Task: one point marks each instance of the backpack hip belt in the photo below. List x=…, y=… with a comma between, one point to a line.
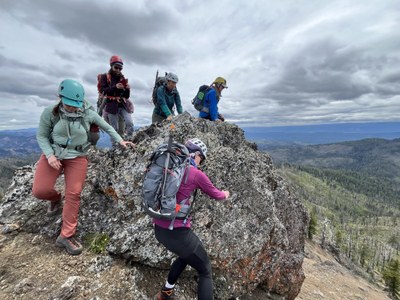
x=205, y=109
x=79, y=148
x=61, y=152
x=115, y=98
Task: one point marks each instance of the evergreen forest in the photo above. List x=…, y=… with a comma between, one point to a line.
x=351, y=190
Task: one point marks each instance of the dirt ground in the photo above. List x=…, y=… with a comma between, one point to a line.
x=327, y=279
x=32, y=267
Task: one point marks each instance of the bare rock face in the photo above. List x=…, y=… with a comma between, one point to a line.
x=254, y=240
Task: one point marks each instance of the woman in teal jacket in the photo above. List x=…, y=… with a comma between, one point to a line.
x=167, y=98
x=63, y=136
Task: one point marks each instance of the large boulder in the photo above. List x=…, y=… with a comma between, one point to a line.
x=254, y=240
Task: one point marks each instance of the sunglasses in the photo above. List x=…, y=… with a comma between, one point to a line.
x=117, y=68
x=202, y=158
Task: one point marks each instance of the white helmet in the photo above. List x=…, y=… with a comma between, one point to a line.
x=172, y=77
x=197, y=145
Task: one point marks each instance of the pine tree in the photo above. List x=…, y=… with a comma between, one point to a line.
x=312, y=226
x=391, y=275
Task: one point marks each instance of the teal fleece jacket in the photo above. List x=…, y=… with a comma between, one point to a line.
x=59, y=134
x=166, y=100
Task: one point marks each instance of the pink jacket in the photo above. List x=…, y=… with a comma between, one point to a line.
x=196, y=179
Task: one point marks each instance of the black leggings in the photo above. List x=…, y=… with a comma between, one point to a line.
x=184, y=243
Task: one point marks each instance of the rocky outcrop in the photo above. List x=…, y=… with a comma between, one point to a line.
x=254, y=240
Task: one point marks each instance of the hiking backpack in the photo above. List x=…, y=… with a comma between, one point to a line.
x=198, y=100
x=93, y=132
x=160, y=80
x=101, y=100
x=167, y=168
x=123, y=80
x=99, y=76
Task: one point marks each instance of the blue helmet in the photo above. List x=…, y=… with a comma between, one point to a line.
x=71, y=93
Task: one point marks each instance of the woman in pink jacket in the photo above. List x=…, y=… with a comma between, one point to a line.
x=182, y=240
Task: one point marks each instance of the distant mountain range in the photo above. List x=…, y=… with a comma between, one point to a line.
x=322, y=134
x=23, y=142
x=18, y=142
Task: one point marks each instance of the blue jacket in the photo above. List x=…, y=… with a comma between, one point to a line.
x=211, y=102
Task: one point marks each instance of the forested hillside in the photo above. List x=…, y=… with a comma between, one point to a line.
x=374, y=157
x=351, y=191
x=370, y=167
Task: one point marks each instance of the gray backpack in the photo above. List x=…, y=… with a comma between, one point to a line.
x=162, y=180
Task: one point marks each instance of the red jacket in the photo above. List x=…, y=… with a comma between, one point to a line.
x=109, y=89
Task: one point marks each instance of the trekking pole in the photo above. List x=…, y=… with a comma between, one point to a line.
x=191, y=208
x=155, y=81
x=166, y=163
x=155, y=84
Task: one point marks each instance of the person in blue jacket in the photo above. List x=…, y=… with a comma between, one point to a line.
x=211, y=101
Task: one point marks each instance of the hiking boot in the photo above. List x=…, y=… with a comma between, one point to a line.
x=53, y=208
x=71, y=245
x=166, y=294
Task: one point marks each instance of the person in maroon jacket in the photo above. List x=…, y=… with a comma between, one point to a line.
x=182, y=240
x=114, y=86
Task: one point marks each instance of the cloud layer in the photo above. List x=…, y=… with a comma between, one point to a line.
x=290, y=63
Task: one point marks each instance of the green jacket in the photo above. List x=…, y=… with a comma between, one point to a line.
x=52, y=135
x=166, y=100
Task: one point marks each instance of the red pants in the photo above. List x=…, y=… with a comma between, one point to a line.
x=74, y=174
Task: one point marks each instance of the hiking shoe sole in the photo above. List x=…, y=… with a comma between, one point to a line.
x=172, y=296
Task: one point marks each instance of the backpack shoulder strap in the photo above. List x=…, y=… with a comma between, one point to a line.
x=83, y=123
x=54, y=120
x=87, y=129
x=108, y=75
x=100, y=79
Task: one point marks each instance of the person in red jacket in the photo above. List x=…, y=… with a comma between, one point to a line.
x=115, y=88
x=182, y=240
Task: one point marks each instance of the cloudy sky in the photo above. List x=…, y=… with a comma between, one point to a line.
x=289, y=62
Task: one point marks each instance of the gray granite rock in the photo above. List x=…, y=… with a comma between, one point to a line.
x=256, y=239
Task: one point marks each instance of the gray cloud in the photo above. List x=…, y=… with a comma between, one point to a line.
x=325, y=70
x=301, y=63
x=109, y=26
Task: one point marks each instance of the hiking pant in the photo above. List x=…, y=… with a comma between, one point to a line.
x=121, y=124
x=155, y=118
x=184, y=243
x=74, y=176
x=113, y=119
